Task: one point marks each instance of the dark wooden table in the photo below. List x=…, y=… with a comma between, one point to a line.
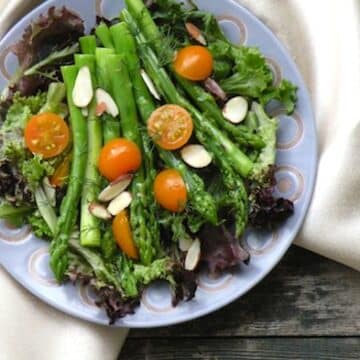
x=308, y=307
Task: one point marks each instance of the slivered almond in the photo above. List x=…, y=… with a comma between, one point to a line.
x=195, y=33
x=185, y=244
x=196, y=156
x=115, y=188
x=99, y=211
x=110, y=106
x=100, y=109
x=120, y=203
x=193, y=256
x=83, y=91
x=150, y=85
x=235, y=109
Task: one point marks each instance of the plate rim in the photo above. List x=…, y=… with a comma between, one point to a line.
x=277, y=257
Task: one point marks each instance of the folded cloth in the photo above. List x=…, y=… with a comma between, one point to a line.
x=30, y=329
x=325, y=43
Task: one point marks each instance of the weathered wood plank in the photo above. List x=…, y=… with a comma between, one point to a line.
x=305, y=295
x=241, y=348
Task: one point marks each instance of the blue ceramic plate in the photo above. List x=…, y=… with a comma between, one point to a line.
x=26, y=258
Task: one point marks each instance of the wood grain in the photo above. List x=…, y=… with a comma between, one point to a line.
x=240, y=348
x=305, y=295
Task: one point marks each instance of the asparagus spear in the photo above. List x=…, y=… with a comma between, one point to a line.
x=206, y=103
x=125, y=46
x=201, y=201
x=68, y=211
x=111, y=127
x=103, y=33
x=88, y=44
x=202, y=98
x=239, y=161
x=89, y=224
x=121, y=90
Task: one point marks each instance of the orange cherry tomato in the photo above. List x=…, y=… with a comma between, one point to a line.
x=61, y=173
x=170, y=126
x=194, y=62
x=47, y=134
x=119, y=157
x=170, y=190
x=123, y=236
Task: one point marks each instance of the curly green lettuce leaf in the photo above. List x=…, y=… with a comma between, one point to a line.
x=285, y=93
x=39, y=226
x=21, y=110
x=251, y=75
x=35, y=169
x=161, y=269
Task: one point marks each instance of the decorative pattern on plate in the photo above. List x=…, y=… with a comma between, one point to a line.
x=291, y=129
x=86, y=296
x=3, y=55
x=12, y=235
x=98, y=4
x=290, y=182
x=259, y=242
x=234, y=29
x=157, y=298
x=276, y=70
x=209, y=284
x=38, y=267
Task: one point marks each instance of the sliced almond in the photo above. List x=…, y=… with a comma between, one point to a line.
x=193, y=256
x=110, y=106
x=195, y=33
x=83, y=91
x=196, y=156
x=120, y=203
x=115, y=188
x=150, y=85
x=99, y=211
x=235, y=109
x=100, y=109
x=50, y=191
x=185, y=244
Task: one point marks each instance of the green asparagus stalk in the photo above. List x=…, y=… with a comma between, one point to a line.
x=89, y=225
x=201, y=201
x=103, y=33
x=124, y=98
x=88, y=44
x=240, y=162
x=68, y=211
x=111, y=126
x=202, y=98
x=206, y=103
x=125, y=46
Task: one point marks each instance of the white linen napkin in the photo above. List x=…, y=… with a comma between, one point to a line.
x=324, y=39
x=30, y=329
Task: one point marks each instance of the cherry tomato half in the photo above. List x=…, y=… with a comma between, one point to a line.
x=119, y=157
x=46, y=134
x=194, y=62
x=61, y=173
x=170, y=126
x=170, y=190
x=123, y=236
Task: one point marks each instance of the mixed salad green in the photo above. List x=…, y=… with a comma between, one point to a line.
x=141, y=151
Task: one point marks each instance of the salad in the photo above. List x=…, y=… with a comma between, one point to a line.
x=141, y=151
